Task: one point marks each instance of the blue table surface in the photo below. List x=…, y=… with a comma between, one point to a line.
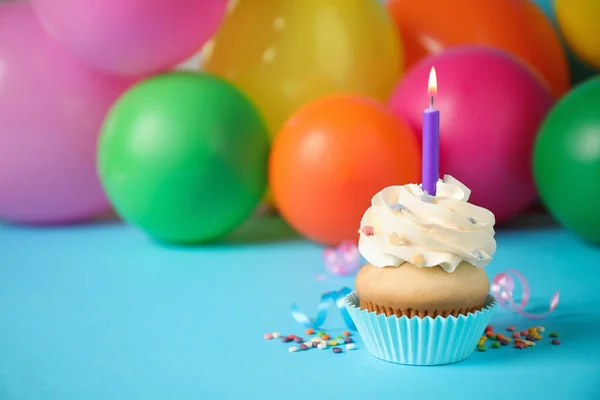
x=102, y=312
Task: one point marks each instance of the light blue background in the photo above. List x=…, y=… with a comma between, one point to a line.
x=101, y=312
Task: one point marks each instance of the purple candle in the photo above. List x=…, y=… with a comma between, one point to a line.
x=430, y=168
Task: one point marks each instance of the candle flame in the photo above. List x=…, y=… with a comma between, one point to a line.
x=432, y=87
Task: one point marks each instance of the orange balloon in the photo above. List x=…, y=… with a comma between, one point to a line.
x=518, y=27
x=331, y=157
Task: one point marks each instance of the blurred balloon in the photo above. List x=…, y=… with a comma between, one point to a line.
x=184, y=157
x=546, y=6
x=578, y=21
x=579, y=70
x=286, y=53
x=331, y=157
x=51, y=110
x=566, y=160
x=131, y=37
x=491, y=106
x=517, y=26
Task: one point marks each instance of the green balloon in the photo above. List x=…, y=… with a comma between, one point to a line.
x=566, y=160
x=183, y=156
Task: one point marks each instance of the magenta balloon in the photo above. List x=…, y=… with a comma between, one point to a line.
x=131, y=37
x=490, y=109
x=51, y=111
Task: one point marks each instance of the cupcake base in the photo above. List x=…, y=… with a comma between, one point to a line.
x=410, y=313
x=420, y=341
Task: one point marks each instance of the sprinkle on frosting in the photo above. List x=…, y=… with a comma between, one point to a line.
x=367, y=230
x=478, y=255
x=444, y=230
x=418, y=260
x=395, y=239
x=398, y=207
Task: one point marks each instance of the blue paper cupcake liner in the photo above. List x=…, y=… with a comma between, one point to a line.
x=420, y=341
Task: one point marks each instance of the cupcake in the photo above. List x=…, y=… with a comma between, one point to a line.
x=423, y=298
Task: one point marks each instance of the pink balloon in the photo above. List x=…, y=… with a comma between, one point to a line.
x=131, y=37
x=490, y=108
x=51, y=111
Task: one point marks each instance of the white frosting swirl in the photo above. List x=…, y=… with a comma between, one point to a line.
x=405, y=224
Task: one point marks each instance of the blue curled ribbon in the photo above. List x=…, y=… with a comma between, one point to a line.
x=337, y=297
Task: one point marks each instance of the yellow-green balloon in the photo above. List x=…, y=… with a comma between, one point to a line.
x=286, y=53
x=183, y=156
x=578, y=21
x=566, y=160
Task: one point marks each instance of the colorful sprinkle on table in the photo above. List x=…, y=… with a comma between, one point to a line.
x=523, y=339
x=315, y=342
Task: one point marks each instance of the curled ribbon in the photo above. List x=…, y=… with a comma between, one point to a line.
x=337, y=297
x=343, y=259
x=503, y=285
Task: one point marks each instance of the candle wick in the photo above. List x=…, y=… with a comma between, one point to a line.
x=430, y=101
